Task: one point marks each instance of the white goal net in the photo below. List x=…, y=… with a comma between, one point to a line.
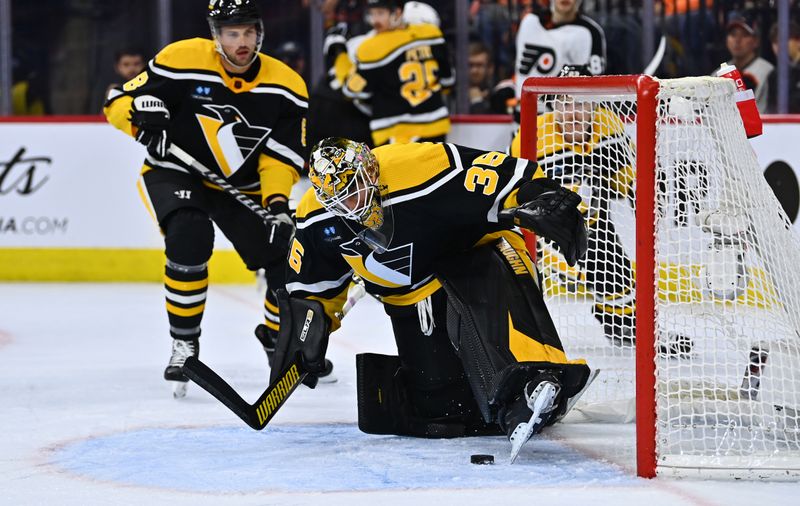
x=717, y=288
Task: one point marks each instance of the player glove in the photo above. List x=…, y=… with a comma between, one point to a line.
x=551, y=211
x=281, y=228
x=151, y=117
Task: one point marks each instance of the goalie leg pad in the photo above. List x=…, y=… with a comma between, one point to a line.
x=500, y=325
x=385, y=407
x=304, y=329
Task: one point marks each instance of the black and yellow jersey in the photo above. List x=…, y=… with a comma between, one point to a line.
x=248, y=128
x=402, y=73
x=605, y=163
x=443, y=199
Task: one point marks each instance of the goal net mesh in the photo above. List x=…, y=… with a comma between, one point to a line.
x=727, y=288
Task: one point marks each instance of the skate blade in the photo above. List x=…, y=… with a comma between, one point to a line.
x=524, y=431
x=179, y=389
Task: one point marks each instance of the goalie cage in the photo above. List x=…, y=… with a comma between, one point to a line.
x=670, y=182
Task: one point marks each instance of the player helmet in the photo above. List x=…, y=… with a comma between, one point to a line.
x=415, y=13
x=344, y=174
x=234, y=12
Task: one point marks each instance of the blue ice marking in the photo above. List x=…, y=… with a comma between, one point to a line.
x=321, y=458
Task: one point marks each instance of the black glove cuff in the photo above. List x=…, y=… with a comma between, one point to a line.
x=279, y=207
x=533, y=189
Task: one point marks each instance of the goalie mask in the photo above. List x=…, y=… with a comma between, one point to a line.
x=344, y=174
x=223, y=13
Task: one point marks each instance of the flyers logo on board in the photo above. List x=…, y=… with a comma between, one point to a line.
x=230, y=137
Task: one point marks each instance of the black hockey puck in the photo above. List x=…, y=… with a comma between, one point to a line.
x=481, y=459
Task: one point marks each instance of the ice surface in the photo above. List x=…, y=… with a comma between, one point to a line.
x=87, y=419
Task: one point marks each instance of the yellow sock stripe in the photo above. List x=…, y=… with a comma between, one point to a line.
x=189, y=311
x=185, y=286
x=270, y=307
x=271, y=325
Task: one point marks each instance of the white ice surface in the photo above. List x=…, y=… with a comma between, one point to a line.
x=86, y=419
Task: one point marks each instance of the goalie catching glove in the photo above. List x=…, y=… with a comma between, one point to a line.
x=151, y=118
x=552, y=212
x=305, y=330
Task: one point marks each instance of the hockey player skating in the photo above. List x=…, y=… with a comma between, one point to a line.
x=428, y=228
x=239, y=113
x=569, y=38
x=401, y=72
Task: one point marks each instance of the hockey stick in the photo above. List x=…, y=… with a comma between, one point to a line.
x=258, y=414
x=228, y=188
x=656, y=61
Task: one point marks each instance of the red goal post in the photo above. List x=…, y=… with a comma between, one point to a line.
x=672, y=444
x=645, y=88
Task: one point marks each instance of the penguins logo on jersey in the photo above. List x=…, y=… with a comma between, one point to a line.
x=230, y=137
x=391, y=269
x=543, y=57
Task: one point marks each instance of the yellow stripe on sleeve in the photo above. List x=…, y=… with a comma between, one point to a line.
x=277, y=178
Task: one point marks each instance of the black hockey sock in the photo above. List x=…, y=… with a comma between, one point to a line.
x=271, y=318
x=185, y=289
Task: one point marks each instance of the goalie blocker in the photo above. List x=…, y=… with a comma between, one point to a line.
x=493, y=304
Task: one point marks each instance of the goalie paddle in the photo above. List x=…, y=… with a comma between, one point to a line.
x=256, y=415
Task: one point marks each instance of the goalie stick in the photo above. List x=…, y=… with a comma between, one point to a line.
x=258, y=414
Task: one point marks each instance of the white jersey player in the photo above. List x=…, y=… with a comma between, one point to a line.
x=569, y=38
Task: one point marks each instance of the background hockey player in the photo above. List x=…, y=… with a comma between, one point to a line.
x=568, y=38
x=240, y=113
x=329, y=111
x=584, y=146
x=427, y=227
x=401, y=72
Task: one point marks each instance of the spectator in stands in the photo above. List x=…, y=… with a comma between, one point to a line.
x=794, y=70
x=492, y=22
x=128, y=63
x=481, y=72
x=742, y=42
x=691, y=26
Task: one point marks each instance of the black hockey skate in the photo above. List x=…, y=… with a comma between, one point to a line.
x=529, y=413
x=268, y=339
x=181, y=350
